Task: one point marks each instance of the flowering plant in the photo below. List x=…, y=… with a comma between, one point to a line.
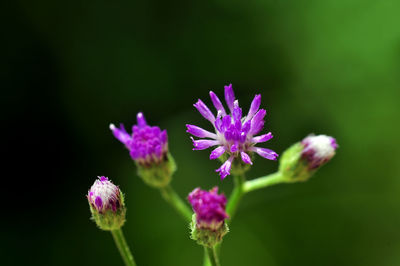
x=234, y=140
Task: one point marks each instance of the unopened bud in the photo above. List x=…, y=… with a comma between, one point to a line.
x=208, y=224
x=106, y=203
x=300, y=161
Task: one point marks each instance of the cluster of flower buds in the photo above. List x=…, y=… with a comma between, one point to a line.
x=234, y=133
x=208, y=225
x=300, y=161
x=106, y=203
x=148, y=147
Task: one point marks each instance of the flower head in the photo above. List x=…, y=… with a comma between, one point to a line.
x=106, y=204
x=235, y=133
x=209, y=208
x=318, y=149
x=147, y=145
x=301, y=160
x=104, y=195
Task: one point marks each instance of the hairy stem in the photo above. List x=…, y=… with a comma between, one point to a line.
x=175, y=201
x=123, y=247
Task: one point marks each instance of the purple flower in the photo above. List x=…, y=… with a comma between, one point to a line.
x=104, y=196
x=209, y=208
x=147, y=145
x=318, y=150
x=234, y=132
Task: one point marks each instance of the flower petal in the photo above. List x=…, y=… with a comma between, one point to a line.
x=141, y=121
x=266, y=153
x=229, y=96
x=234, y=147
x=120, y=133
x=255, y=105
x=246, y=158
x=257, y=122
x=203, y=144
x=217, y=103
x=262, y=138
x=225, y=168
x=204, y=111
x=237, y=112
x=199, y=132
x=216, y=153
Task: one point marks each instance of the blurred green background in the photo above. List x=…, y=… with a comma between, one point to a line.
x=325, y=67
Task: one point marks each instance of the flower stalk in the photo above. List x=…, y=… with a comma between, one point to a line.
x=264, y=181
x=123, y=247
x=213, y=256
x=170, y=196
x=237, y=194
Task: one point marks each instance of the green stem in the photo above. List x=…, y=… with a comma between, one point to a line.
x=123, y=247
x=206, y=260
x=236, y=195
x=172, y=198
x=212, y=255
x=263, y=182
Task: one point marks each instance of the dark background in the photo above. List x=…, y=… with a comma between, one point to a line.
x=69, y=68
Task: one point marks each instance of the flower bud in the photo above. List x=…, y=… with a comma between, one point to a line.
x=300, y=161
x=106, y=203
x=148, y=147
x=208, y=225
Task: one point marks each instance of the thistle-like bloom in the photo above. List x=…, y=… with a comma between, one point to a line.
x=104, y=196
x=318, y=150
x=106, y=204
x=234, y=132
x=209, y=208
x=147, y=145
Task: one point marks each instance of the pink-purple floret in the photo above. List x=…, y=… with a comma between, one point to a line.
x=147, y=144
x=209, y=207
x=234, y=133
x=310, y=154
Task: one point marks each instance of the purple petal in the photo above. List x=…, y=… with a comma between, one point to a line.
x=246, y=158
x=262, y=138
x=225, y=168
x=99, y=202
x=226, y=122
x=140, y=120
x=246, y=127
x=234, y=148
x=237, y=112
x=203, y=144
x=334, y=143
x=255, y=105
x=103, y=178
x=217, y=103
x=120, y=133
x=164, y=136
x=204, y=111
x=216, y=153
x=229, y=96
x=257, y=122
x=199, y=132
x=266, y=153
x=218, y=124
x=242, y=137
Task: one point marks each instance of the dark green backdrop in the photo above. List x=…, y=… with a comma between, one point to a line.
x=331, y=67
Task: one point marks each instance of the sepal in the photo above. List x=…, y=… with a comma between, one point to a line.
x=205, y=236
x=158, y=175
